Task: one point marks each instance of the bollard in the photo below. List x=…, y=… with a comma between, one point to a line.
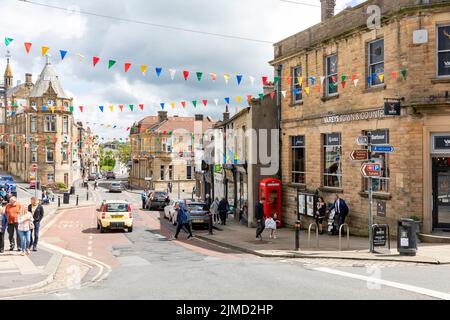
x=87, y=196
x=210, y=225
x=297, y=235
x=59, y=201
x=77, y=199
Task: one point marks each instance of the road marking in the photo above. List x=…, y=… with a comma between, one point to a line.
x=401, y=286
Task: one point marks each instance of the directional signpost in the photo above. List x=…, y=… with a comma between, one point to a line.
x=370, y=170
x=360, y=155
x=384, y=149
x=362, y=140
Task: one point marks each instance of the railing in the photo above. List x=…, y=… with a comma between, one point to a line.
x=317, y=234
x=340, y=236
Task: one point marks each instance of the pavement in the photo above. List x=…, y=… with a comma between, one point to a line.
x=241, y=238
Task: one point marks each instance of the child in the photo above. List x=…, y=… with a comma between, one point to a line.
x=271, y=225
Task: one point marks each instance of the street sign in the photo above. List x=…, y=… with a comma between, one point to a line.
x=360, y=155
x=371, y=170
x=34, y=167
x=385, y=149
x=362, y=140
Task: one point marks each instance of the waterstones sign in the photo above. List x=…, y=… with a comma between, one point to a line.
x=366, y=115
x=442, y=143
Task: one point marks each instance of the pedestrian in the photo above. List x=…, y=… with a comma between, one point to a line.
x=182, y=220
x=37, y=210
x=215, y=211
x=169, y=187
x=2, y=193
x=144, y=198
x=271, y=225
x=25, y=226
x=224, y=207
x=341, y=209
x=12, y=210
x=208, y=202
x=320, y=213
x=95, y=184
x=3, y=224
x=259, y=215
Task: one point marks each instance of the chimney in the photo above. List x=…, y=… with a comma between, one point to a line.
x=28, y=78
x=327, y=7
x=162, y=116
x=198, y=117
x=268, y=88
x=226, y=115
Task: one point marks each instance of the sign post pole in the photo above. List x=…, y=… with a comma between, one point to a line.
x=369, y=147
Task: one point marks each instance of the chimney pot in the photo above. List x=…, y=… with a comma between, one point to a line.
x=162, y=116
x=327, y=7
x=28, y=78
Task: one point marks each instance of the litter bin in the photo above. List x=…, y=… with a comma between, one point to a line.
x=407, y=237
x=66, y=198
x=72, y=190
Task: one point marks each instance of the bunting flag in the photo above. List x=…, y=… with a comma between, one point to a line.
x=101, y=108
x=216, y=101
x=261, y=96
x=71, y=109
x=131, y=107
x=313, y=80
x=158, y=71
x=288, y=81
x=44, y=50
x=95, y=60
x=404, y=72
x=183, y=103
x=307, y=90
x=227, y=100
x=238, y=99
x=355, y=82
x=162, y=104
x=63, y=54
x=28, y=46
x=394, y=75
x=343, y=78
x=127, y=66
x=8, y=41
x=239, y=79
x=111, y=63
x=319, y=88
x=272, y=95
x=111, y=108
x=194, y=103
x=199, y=76
x=276, y=80
x=249, y=99
x=173, y=105
x=205, y=102
x=226, y=78
x=172, y=73
x=141, y=106
x=284, y=94
x=213, y=76
x=381, y=77
x=343, y=83
x=144, y=69
x=81, y=108
x=44, y=108
x=252, y=80
x=369, y=80
x=121, y=107
x=52, y=108
x=185, y=75
x=264, y=80
x=80, y=57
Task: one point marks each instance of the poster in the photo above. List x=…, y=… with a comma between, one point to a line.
x=310, y=205
x=301, y=203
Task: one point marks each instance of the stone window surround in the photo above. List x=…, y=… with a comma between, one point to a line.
x=293, y=84
x=439, y=78
x=382, y=85
x=326, y=93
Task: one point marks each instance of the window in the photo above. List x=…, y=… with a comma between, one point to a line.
x=162, y=173
x=34, y=154
x=443, y=51
x=297, y=85
x=33, y=124
x=50, y=155
x=65, y=153
x=379, y=137
x=331, y=64
x=170, y=173
x=65, y=128
x=189, y=172
x=50, y=178
x=298, y=159
x=376, y=63
x=332, y=152
x=50, y=123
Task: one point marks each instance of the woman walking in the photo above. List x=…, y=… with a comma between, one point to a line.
x=25, y=227
x=321, y=211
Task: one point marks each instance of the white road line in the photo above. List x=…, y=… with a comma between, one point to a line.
x=401, y=286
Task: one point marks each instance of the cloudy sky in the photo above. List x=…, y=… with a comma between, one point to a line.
x=264, y=20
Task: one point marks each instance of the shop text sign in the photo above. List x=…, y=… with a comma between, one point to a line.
x=442, y=143
x=366, y=115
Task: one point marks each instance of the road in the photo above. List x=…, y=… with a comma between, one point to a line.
x=144, y=264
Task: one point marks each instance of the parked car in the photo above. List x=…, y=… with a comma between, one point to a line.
x=113, y=215
x=198, y=213
x=157, y=200
x=110, y=175
x=169, y=211
x=115, y=187
x=8, y=181
x=93, y=176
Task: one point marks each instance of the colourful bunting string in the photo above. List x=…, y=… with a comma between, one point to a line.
x=8, y=41
x=111, y=63
x=213, y=76
x=199, y=76
x=162, y=104
x=62, y=54
x=172, y=73
x=101, y=108
x=95, y=60
x=144, y=69
x=127, y=66
x=131, y=107
x=194, y=103
x=185, y=75
x=141, y=106
x=44, y=50
x=158, y=72
x=27, y=47
x=239, y=79
x=183, y=103
x=205, y=102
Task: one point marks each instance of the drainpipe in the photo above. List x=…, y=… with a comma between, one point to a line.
x=279, y=68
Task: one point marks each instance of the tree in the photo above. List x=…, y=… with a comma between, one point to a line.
x=107, y=160
x=125, y=153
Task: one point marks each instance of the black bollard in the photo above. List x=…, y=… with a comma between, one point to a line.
x=87, y=196
x=297, y=235
x=210, y=224
x=77, y=199
x=59, y=201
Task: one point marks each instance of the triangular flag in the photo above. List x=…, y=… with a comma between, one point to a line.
x=131, y=107
x=173, y=105
x=111, y=63
x=81, y=108
x=275, y=80
x=404, y=72
x=300, y=81
x=199, y=76
x=44, y=108
x=172, y=73
x=71, y=109
x=239, y=79
x=252, y=80
x=121, y=107
x=101, y=108
x=44, y=50
x=264, y=80
x=111, y=108
x=284, y=94
x=141, y=106
x=158, y=71
x=227, y=100
x=226, y=78
x=369, y=80
x=28, y=46
x=144, y=69
x=205, y=102
x=319, y=88
x=354, y=77
x=52, y=108
x=183, y=103
x=127, y=66
x=394, y=75
x=95, y=60
x=238, y=99
x=216, y=101
x=162, y=104
x=8, y=41
x=307, y=90
x=194, y=103
x=249, y=98
x=381, y=77
x=213, y=76
x=355, y=82
x=63, y=54
x=185, y=74
x=343, y=78
x=313, y=80
x=272, y=95
x=343, y=84
x=261, y=96
x=80, y=57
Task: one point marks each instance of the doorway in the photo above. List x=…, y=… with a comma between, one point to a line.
x=441, y=193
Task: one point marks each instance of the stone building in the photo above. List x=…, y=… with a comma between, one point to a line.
x=407, y=58
x=164, y=150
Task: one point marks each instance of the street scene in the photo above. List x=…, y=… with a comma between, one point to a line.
x=189, y=151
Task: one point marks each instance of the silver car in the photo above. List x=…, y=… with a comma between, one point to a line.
x=115, y=187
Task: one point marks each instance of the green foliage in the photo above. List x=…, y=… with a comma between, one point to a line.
x=125, y=153
x=61, y=186
x=415, y=218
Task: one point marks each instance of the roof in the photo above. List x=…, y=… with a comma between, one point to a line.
x=8, y=70
x=22, y=91
x=48, y=78
x=171, y=124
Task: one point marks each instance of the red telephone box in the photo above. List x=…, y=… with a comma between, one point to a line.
x=270, y=189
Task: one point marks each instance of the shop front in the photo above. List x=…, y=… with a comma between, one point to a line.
x=441, y=181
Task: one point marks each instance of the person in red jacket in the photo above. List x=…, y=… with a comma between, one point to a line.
x=12, y=215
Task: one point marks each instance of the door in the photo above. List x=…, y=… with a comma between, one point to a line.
x=441, y=193
x=66, y=179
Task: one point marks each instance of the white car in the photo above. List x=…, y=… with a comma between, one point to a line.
x=169, y=211
x=114, y=214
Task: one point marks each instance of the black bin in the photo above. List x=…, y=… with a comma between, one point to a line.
x=72, y=190
x=407, y=237
x=66, y=198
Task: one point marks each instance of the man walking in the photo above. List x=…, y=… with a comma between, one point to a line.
x=223, y=211
x=13, y=208
x=182, y=221
x=144, y=198
x=259, y=215
x=341, y=209
x=37, y=210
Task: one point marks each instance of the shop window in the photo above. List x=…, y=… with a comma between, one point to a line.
x=162, y=173
x=331, y=80
x=332, y=155
x=189, y=172
x=297, y=85
x=298, y=159
x=375, y=63
x=379, y=137
x=443, y=51
x=50, y=158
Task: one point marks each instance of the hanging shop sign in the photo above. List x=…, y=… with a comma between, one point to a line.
x=366, y=115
